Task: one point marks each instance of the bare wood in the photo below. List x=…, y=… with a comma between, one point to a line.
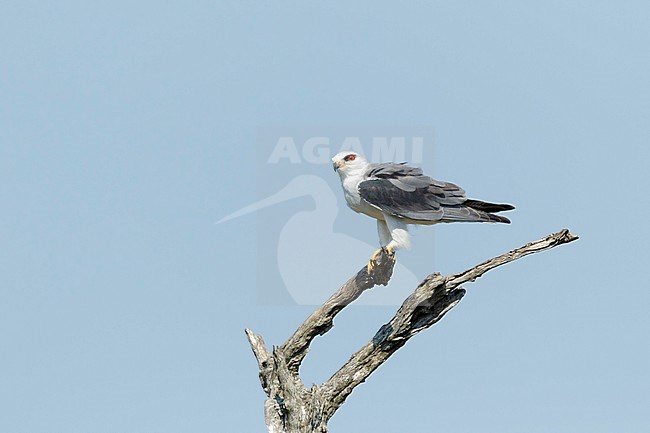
x=292, y=408
x=289, y=407
x=550, y=241
x=322, y=320
x=433, y=298
x=263, y=357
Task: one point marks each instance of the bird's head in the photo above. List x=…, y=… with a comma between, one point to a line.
x=347, y=163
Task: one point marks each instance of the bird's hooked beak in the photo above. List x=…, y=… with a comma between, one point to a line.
x=337, y=165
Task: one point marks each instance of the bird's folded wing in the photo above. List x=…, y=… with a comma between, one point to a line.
x=414, y=197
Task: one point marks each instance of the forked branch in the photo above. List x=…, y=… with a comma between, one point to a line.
x=293, y=408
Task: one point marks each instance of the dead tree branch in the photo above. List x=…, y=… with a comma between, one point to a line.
x=293, y=408
x=322, y=320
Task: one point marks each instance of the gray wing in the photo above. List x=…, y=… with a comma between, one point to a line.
x=406, y=192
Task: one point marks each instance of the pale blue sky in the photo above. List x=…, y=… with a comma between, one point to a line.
x=123, y=125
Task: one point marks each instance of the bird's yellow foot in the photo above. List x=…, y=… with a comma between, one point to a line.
x=372, y=263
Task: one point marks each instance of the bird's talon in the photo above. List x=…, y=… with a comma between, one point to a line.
x=373, y=260
x=372, y=263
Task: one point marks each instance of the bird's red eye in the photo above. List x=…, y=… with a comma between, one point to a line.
x=350, y=158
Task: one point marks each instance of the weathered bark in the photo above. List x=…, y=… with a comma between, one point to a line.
x=292, y=408
x=322, y=320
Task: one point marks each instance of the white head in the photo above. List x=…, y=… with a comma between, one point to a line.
x=349, y=163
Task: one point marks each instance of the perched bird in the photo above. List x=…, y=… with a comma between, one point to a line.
x=397, y=195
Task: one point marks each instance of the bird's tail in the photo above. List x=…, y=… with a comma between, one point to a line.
x=487, y=207
x=476, y=211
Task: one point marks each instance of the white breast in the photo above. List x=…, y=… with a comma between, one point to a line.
x=354, y=200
